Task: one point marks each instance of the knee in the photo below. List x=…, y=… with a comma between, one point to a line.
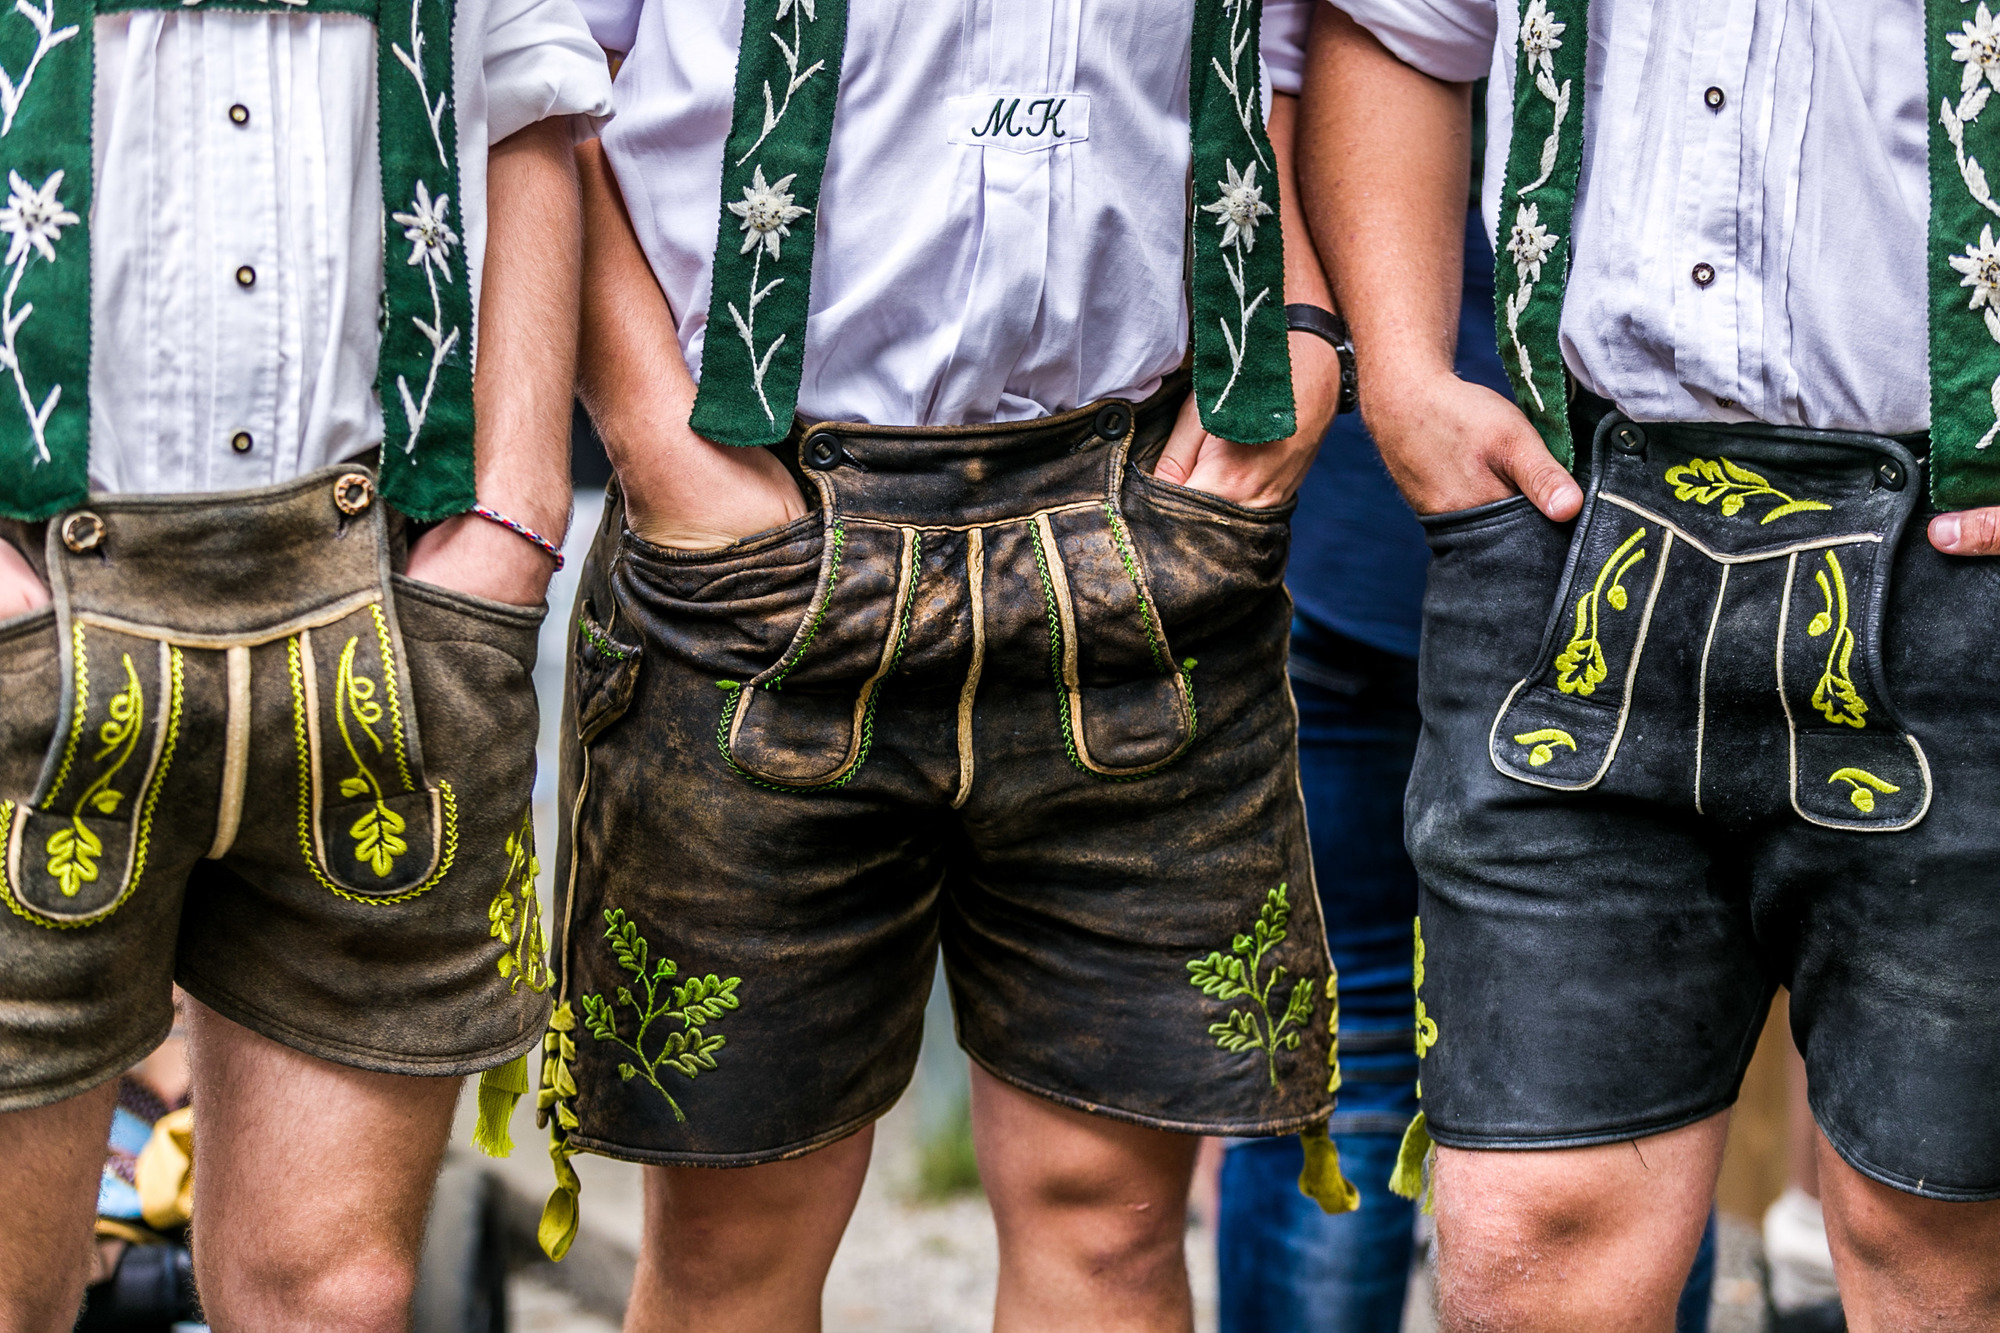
x=1112, y=1234
x=364, y=1291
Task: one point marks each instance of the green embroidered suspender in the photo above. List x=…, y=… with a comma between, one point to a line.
x=787, y=80
x=1537, y=205
x=425, y=378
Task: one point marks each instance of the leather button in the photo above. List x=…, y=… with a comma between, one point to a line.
x=1715, y=98
x=241, y=441
x=823, y=454
x=1890, y=473
x=1703, y=274
x=1629, y=439
x=82, y=531
x=1113, y=421
x=239, y=114
x=246, y=276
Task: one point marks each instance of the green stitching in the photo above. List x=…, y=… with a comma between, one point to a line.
x=604, y=646
x=1124, y=547
x=1580, y=666
x=395, y=700
x=838, y=541
x=1835, y=695
x=376, y=843
x=447, y=800
x=1235, y=974
x=72, y=850
x=702, y=1000
x=735, y=692
x=76, y=722
x=1427, y=1028
x=1865, y=785
x=523, y=959
x=1704, y=482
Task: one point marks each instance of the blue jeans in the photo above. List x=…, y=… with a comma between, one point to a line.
x=1286, y=1267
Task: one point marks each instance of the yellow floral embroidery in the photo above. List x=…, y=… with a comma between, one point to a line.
x=377, y=840
x=1835, y=695
x=1544, y=743
x=73, y=851
x=1580, y=666
x=1427, y=1028
x=1865, y=786
x=515, y=915
x=1704, y=481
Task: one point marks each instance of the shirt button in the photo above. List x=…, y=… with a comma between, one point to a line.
x=241, y=442
x=1704, y=274
x=246, y=276
x=240, y=114
x=1715, y=98
x=1726, y=404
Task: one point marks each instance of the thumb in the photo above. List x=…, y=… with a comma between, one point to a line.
x=1177, y=460
x=1533, y=470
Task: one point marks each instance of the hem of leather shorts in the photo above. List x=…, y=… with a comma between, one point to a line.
x=619, y=1152
x=359, y=1057
x=1234, y=1129
x=1920, y=1187
x=48, y=1094
x=1588, y=1138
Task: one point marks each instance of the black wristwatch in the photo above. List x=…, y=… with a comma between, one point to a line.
x=1329, y=325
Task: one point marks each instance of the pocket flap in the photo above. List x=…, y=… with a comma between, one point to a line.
x=607, y=673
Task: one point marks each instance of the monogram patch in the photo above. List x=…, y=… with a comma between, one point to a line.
x=1018, y=122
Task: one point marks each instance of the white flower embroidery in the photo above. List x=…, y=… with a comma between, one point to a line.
x=1977, y=46
x=48, y=37
x=767, y=212
x=1240, y=205
x=775, y=109
x=413, y=61
x=1530, y=243
x=785, y=7
x=1541, y=34
x=1245, y=87
x=34, y=217
x=429, y=235
x=1981, y=266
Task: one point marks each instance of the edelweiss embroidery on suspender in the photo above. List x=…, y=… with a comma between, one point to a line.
x=1543, y=161
x=1964, y=57
x=425, y=376
x=787, y=81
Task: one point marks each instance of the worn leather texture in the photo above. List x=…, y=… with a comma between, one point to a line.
x=240, y=754
x=1000, y=688
x=1769, y=761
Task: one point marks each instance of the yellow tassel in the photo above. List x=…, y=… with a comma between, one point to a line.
x=1321, y=1180
x=561, y=1214
x=1409, y=1179
x=499, y=1090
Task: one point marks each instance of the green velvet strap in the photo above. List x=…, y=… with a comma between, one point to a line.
x=425, y=377
x=1537, y=207
x=1964, y=259
x=787, y=80
x=1242, y=354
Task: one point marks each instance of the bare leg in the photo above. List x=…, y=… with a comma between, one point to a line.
x=1908, y=1263
x=744, y=1250
x=50, y=1159
x=1572, y=1238
x=311, y=1182
x=1091, y=1213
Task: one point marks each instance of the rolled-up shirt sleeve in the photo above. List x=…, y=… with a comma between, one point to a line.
x=1446, y=39
x=1282, y=42
x=541, y=61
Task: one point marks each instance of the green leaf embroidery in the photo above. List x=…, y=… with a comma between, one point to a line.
x=515, y=915
x=1580, y=666
x=1704, y=481
x=1241, y=973
x=698, y=1001
x=1835, y=696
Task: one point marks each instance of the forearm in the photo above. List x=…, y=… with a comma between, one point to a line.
x=1315, y=365
x=526, y=373
x=1385, y=155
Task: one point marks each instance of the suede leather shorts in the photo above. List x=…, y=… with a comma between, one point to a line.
x=1736, y=727
x=1001, y=688
x=239, y=754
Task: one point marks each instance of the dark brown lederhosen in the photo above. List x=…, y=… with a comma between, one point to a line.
x=1000, y=687
x=238, y=753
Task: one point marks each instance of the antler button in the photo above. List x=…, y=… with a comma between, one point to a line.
x=82, y=531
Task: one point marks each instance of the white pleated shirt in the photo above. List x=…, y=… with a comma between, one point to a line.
x=952, y=282
x=184, y=358
x=1806, y=190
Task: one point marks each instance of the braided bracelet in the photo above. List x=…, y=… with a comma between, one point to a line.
x=521, y=530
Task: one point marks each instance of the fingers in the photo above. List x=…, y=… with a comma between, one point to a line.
x=1968, y=532
x=1547, y=484
x=1177, y=460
